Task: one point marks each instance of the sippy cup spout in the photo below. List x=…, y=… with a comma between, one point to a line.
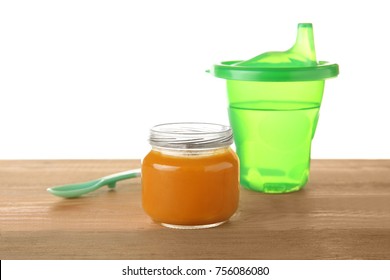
x=304, y=44
x=301, y=54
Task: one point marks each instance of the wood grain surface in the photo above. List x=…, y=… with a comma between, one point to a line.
x=343, y=213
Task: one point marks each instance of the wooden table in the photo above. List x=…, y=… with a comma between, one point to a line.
x=343, y=213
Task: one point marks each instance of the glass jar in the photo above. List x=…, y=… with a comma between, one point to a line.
x=190, y=178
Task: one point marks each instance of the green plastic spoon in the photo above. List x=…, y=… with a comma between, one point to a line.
x=78, y=189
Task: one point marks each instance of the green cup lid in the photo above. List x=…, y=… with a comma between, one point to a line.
x=298, y=63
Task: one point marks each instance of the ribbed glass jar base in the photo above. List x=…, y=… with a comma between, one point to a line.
x=193, y=227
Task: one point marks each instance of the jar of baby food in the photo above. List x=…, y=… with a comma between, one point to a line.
x=190, y=178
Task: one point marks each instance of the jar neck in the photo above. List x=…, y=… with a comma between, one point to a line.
x=191, y=152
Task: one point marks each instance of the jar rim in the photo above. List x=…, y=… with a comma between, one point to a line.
x=191, y=135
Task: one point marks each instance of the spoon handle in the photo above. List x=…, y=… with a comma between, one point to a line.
x=122, y=176
x=111, y=179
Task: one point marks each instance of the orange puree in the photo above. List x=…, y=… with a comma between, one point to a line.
x=190, y=190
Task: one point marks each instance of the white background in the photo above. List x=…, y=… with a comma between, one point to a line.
x=278, y=270
x=87, y=79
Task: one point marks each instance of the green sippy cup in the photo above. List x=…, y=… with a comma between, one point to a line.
x=274, y=101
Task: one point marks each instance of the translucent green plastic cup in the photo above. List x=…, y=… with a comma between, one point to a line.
x=274, y=102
